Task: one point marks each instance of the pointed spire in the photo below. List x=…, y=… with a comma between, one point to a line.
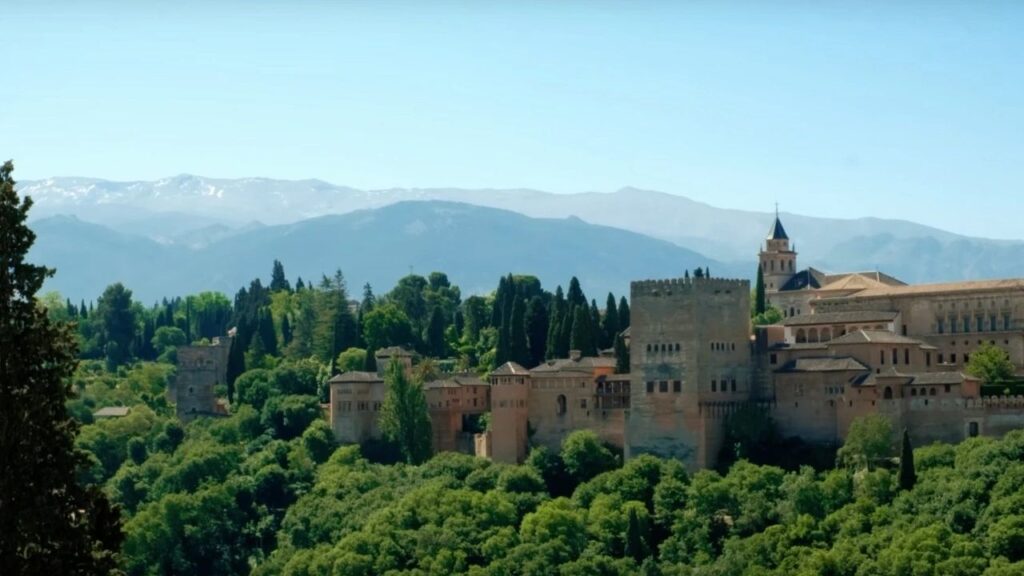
x=777, y=232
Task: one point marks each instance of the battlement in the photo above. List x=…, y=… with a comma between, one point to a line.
x=996, y=402
x=671, y=286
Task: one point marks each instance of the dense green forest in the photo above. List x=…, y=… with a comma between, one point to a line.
x=267, y=491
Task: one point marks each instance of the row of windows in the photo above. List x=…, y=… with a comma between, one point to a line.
x=511, y=403
x=782, y=265
x=448, y=403
x=677, y=386
x=346, y=406
x=724, y=385
x=670, y=347
x=963, y=324
x=723, y=346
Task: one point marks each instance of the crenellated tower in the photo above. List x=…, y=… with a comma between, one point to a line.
x=689, y=350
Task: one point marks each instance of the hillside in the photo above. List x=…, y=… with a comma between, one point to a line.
x=474, y=245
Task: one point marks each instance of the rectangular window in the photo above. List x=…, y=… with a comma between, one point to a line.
x=650, y=387
x=734, y=385
x=583, y=403
x=980, y=324
x=952, y=358
x=952, y=325
x=881, y=356
x=940, y=358
x=992, y=323
x=967, y=324
x=714, y=385
x=663, y=386
x=906, y=355
x=895, y=357
x=940, y=326
x=927, y=358
x=1006, y=321
x=904, y=329
x=774, y=358
x=677, y=386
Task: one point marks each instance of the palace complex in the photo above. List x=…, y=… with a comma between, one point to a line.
x=848, y=345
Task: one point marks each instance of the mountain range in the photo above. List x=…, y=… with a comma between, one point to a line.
x=188, y=216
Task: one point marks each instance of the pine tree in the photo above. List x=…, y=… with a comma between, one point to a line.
x=698, y=272
x=299, y=284
x=369, y=300
x=49, y=523
x=759, y=296
x=519, y=351
x=623, y=314
x=907, y=476
x=278, y=281
x=404, y=419
x=621, y=355
x=610, y=324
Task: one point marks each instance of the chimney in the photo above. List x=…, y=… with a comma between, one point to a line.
x=575, y=355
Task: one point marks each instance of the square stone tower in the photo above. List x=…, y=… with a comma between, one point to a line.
x=200, y=369
x=690, y=355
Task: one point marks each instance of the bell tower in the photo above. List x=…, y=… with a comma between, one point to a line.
x=777, y=261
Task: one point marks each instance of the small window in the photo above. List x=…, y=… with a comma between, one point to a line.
x=952, y=358
x=972, y=429
x=583, y=403
x=947, y=388
x=677, y=346
x=888, y=393
x=734, y=385
x=895, y=357
x=774, y=358
x=663, y=386
x=560, y=404
x=677, y=386
x=931, y=391
x=927, y=358
x=650, y=387
x=881, y=357
x=906, y=355
x=714, y=385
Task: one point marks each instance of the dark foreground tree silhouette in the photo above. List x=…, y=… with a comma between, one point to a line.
x=48, y=523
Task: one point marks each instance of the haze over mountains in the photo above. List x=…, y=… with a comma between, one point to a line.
x=236, y=226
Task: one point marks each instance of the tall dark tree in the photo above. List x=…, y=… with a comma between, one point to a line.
x=623, y=314
x=435, y=334
x=907, y=476
x=575, y=296
x=555, y=316
x=266, y=332
x=83, y=311
x=536, y=329
x=278, y=281
x=49, y=524
x=117, y=324
x=299, y=284
x=369, y=300
x=595, y=325
x=582, y=338
x=286, y=331
x=698, y=272
x=636, y=536
x=499, y=301
x=519, y=350
x=621, y=355
x=610, y=322
x=760, y=304
x=474, y=310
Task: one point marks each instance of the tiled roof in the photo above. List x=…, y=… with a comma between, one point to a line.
x=508, y=369
x=1013, y=284
x=874, y=337
x=825, y=364
x=586, y=364
x=860, y=281
x=456, y=381
x=840, y=318
x=914, y=379
x=801, y=346
x=353, y=376
x=804, y=279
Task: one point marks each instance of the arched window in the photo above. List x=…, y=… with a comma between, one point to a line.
x=887, y=394
x=561, y=404
x=801, y=337
x=792, y=311
x=812, y=335
x=826, y=334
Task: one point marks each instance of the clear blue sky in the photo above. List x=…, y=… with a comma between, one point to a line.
x=913, y=110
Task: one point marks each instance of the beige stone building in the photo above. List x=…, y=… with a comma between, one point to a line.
x=200, y=369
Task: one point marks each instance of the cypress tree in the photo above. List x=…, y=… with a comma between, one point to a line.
x=582, y=337
x=907, y=476
x=555, y=324
x=621, y=355
x=536, y=329
x=435, y=334
x=82, y=311
x=286, y=331
x=575, y=295
x=369, y=300
x=565, y=330
x=759, y=296
x=623, y=314
x=266, y=331
x=499, y=301
x=71, y=308
x=636, y=537
x=610, y=324
x=299, y=284
x=49, y=523
x=595, y=325
x=519, y=351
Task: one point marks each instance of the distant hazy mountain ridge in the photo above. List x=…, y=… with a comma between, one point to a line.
x=196, y=212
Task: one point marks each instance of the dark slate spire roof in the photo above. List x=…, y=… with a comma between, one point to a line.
x=777, y=232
